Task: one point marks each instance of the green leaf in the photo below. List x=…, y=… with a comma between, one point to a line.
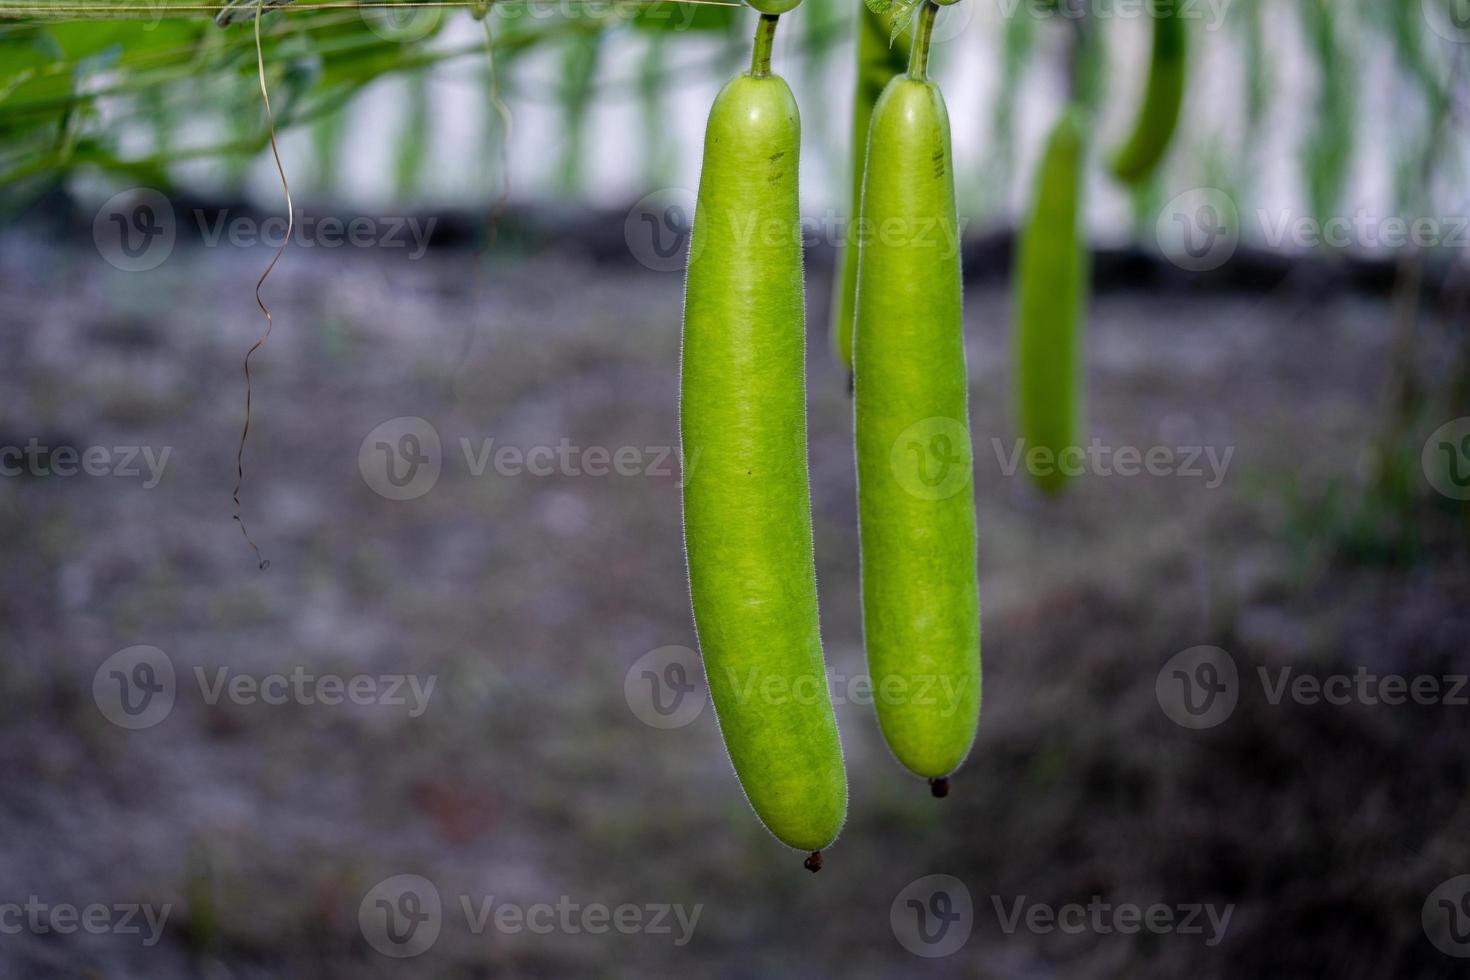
x=900, y=13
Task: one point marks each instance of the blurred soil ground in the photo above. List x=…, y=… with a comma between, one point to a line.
x=530, y=597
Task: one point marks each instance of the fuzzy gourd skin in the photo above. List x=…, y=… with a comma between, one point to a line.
x=878, y=61
x=1051, y=271
x=1163, y=96
x=747, y=504
x=921, y=614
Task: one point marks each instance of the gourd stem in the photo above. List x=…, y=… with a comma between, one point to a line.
x=765, y=37
x=1077, y=53
x=919, y=53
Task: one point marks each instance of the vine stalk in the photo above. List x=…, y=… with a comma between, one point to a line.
x=919, y=53
x=765, y=39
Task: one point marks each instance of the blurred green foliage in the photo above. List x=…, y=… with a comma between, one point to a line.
x=135, y=97
x=70, y=90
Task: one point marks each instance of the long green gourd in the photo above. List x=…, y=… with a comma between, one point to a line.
x=921, y=611
x=1051, y=272
x=1158, y=116
x=747, y=502
x=878, y=61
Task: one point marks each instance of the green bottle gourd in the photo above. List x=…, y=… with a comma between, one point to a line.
x=921, y=612
x=878, y=61
x=1163, y=96
x=1051, y=272
x=746, y=496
